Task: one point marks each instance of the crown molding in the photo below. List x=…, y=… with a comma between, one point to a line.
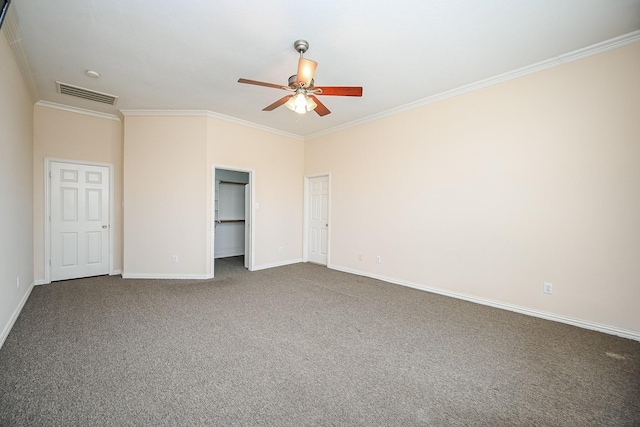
x=10, y=28
x=614, y=43
x=210, y=114
x=165, y=113
x=253, y=125
x=77, y=110
x=575, y=55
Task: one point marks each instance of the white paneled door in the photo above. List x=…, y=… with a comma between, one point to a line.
x=318, y=219
x=79, y=196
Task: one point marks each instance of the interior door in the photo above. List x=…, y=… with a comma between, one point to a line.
x=79, y=197
x=318, y=219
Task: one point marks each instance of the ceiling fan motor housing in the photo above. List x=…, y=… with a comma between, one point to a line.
x=292, y=82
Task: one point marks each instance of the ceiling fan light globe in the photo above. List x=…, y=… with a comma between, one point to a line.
x=300, y=101
x=311, y=105
x=291, y=103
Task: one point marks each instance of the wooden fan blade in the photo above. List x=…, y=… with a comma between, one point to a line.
x=340, y=90
x=257, y=83
x=306, y=70
x=276, y=104
x=320, y=109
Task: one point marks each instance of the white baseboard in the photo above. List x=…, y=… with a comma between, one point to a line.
x=44, y=282
x=165, y=276
x=276, y=264
x=14, y=316
x=624, y=333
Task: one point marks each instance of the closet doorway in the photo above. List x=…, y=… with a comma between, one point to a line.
x=232, y=222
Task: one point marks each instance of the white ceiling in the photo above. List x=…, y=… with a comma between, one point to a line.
x=188, y=55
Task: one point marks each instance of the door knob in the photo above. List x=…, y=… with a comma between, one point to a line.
x=104, y=226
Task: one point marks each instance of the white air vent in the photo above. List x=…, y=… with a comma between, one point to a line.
x=91, y=95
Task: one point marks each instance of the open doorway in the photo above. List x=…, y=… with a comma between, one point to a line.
x=232, y=222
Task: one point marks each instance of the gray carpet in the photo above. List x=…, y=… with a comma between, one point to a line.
x=231, y=266
x=302, y=345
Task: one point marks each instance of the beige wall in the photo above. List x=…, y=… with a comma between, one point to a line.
x=16, y=177
x=165, y=196
x=74, y=136
x=492, y=193
x=168, y=175
x=277, y=163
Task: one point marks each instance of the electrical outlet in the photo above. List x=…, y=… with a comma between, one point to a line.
x=547, y=288
x=379, y=259
x=360, y=257
x=280, y=249
x=175, y=258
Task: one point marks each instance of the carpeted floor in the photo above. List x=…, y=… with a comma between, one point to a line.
x=231, y=266
x=302, y=345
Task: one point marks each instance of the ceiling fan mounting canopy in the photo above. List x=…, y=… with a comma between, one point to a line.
x=301, y=46
x=303, y=88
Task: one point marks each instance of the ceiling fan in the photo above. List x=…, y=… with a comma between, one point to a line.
x=303, y=97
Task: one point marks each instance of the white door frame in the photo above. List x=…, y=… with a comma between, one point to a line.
x=252, y=214
x=307, y=210
x=47, y=210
